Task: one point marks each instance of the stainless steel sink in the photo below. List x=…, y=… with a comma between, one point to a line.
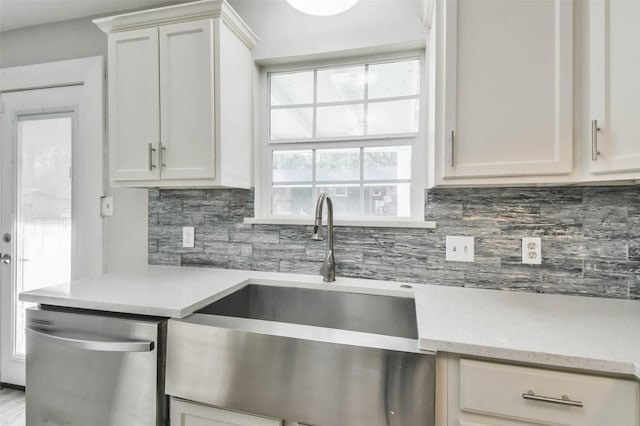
x=314, y=356
x=386, y=315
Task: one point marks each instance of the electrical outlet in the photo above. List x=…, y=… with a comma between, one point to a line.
x=188, y=236
x=459, y=249
x=532, y=250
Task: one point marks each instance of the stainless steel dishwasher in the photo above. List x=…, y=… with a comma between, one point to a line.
x=94, y=369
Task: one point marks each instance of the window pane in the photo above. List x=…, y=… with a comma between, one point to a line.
x=387, y=200
x=394, y=79
x=292, y=89
x=292, y=166
x=338, y=164
x=391, y=162
x=291, y=123
x=346, y=199
x=341, y=84
x=344, y=120
x=290, y=200
x=393, y=117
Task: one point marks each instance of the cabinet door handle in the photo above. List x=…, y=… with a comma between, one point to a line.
x=564, y=400
x=594, y=140
x=452, y=142
x=151, y=151
x=163, y=149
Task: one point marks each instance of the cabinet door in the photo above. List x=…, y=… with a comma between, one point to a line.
x=615, y=85
x=134, y=126
x=508, y=88
x=186, y=99
x=190, y=414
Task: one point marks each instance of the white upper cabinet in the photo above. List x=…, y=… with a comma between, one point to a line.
x=180, y=97
x=614, y=33
x=508, y=88
x=134, y=121
x=186, y=95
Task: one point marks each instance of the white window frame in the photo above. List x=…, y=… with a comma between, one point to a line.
x=264, y=146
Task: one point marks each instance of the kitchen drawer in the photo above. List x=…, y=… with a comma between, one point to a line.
x=498, y=389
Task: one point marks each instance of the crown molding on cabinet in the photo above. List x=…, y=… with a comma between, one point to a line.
x=202, y=9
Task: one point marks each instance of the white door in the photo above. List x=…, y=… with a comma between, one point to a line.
x=134, y=116
x=508, y=102
x=38, y=206
x=186, y=100
x=614, y=84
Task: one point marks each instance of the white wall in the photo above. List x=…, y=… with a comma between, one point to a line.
x=126, y=231
x=284, y=32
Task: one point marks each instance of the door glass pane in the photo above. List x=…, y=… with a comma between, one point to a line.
x=43, y=217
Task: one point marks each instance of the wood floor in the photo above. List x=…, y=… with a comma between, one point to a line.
x=11, y=407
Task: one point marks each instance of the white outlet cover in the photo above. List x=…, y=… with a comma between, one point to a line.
x=188, y=236
x=532, y=250
x=459, y=249
x=106, y=206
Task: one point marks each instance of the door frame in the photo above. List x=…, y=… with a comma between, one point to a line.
x=90, y=171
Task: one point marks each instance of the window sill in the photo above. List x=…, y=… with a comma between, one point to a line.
x=356, y=223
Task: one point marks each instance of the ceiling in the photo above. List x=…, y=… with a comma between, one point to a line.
x=25, y=13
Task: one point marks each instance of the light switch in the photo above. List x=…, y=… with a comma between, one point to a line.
x=459, y=249
x=188, y=236
x=106, y=206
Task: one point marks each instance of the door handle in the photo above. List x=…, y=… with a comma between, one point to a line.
x=93, y=344
x=6, y=259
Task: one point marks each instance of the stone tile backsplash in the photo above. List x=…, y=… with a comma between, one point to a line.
x=590, y=239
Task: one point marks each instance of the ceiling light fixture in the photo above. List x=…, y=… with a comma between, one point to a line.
x=322, y=7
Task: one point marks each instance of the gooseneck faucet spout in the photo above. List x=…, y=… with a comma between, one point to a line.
x=328, y=269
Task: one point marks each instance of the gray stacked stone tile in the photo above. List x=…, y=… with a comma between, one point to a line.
x=590, y=239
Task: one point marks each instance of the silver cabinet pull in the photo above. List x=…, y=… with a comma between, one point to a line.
x=6, y=259
x=93, y=344
x=594, y=140
x=564, y=400
x=452, y=141
x=151, y=151
x=163, y=149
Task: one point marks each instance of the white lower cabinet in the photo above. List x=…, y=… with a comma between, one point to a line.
x=184, y=413
x=484, y=393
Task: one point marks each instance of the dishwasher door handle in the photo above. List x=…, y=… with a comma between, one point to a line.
x=94, y=345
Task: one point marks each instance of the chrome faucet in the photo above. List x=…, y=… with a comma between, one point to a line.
x=328, y=269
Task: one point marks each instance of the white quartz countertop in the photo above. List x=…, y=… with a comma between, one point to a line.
x=561, y=331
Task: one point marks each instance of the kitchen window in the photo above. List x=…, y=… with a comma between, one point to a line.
x=355, y=130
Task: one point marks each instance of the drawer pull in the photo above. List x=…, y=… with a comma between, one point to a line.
x=561, y=401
